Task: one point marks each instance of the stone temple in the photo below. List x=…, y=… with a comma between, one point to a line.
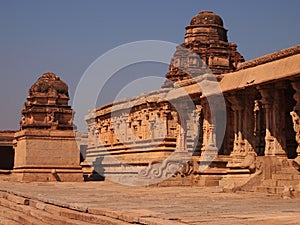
x=216, y=121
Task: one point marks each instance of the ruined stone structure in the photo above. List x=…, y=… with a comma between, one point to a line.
x=45, y=147
x=147, y=137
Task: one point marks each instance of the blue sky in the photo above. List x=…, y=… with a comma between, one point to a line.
x=66, y=36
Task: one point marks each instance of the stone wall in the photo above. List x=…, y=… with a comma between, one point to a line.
x=258, y=100
x=213, y=118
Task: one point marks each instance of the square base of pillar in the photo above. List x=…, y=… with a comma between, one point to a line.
x=48, y=175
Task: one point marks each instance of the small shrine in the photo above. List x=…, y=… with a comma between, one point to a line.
x=45, y=147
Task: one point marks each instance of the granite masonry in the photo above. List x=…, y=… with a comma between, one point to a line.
x=148, y=137
x=181, y=134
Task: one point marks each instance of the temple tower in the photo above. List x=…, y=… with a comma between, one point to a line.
x=206, y=37
x=45, y=147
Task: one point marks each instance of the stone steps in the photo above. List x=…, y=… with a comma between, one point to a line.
x=282, y=176
x=269, y=190
x=5, y=221
x=286, y=175
x=280, y=183
x=27, y=214
x=16, y=209
x=176, y=181
x=17, y=216
x=290, y=170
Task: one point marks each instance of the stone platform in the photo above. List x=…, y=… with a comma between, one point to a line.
x=108, y=203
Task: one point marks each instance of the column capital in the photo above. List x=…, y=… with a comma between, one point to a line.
x=236, y=100
x=266, y=92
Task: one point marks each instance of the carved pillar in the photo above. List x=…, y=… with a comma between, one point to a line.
x=182, y=128
x=296, y=114
x=259, y=127
x=112, y=137
x=273, y=104
x=182, y=140
x=205, y=125
x=193, y=130
x=243, y=127
x=237, y=108
x=249, y=121
x=228, y=141
x=267, y=102
x=124, y=128
x=279, y=119
x=92, y=131
x=145, y=127
x=209, y=136
x=200, y=122
x=165, y=115
x=152, y=127
x=196, y=119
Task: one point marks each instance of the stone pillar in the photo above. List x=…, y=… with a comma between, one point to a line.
x=182, y=118
x=205, y=125
x=238, y=145
x=209, y=147
x=249, y=121
x=92, y=130
x=259, y=127
x=273, y=104
x=165, y=115
x=296, y=115
x=192, y=129
x=243, y=124
x=196, y=125
x=228, y=141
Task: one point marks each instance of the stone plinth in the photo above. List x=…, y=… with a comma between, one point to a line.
x=46, y=155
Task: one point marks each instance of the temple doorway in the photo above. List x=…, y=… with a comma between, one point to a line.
x=7, y=157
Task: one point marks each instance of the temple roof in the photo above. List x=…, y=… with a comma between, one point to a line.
x=49, y=83
x=270, y=57
x=206, y=18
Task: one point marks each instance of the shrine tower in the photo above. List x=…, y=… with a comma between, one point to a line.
x=45, y=146
x=206, y=37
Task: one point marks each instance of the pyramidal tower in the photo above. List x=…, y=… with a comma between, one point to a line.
x=206, y=37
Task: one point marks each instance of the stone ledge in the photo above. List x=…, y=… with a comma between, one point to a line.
x=270, y=57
